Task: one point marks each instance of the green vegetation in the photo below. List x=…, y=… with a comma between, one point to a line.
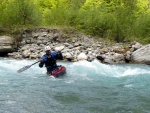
x=117, y=20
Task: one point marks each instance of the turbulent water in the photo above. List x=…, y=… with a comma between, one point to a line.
x=87, y=87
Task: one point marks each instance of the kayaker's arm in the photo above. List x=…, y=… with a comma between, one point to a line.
x=41, y=64
x=59, y=56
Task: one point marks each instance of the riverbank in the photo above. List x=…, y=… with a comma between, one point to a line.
x=74, y=45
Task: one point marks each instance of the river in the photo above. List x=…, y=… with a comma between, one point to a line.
x=87, y=87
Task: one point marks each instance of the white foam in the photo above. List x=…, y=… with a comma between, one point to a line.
x=83, y=69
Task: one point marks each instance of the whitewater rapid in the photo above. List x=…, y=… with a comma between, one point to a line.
x=87, y=87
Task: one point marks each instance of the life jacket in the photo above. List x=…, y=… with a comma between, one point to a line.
x=50, y=61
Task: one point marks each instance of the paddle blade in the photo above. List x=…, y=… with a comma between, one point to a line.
x=23, y=69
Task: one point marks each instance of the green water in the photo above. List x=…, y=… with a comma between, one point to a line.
x=87, y=87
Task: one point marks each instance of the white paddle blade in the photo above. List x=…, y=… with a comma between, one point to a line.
x=23, y=69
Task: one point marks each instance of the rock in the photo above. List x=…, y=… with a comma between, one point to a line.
x=104, y=50
x=6, y=44
x=118, y=49
x=74, y=47
x=6, y=48
x=39, y=34
x=82, y=56
x=70, y=47
x=12, y=55
x=60, y=48
x=26, y=53
x=33, y=56
x=128, y=56
x=100, y=46
x=101, y=58
x=118, y=58
x=6, y=40
x=32, y=49
x=23, y=42
x=77, y=48
x=41, y=54
x=76, y=44
x=68, y=55
x=89, y=52
x=136, y=46
x=28, y=41
x=39, y=42
x=18, y=56
x=67, y=44
x=40, y=38
x=90, y=58
x=141, y=55
x=108, y=60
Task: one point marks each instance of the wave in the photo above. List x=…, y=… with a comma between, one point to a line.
x=83, y=69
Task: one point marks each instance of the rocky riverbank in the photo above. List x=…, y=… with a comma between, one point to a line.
x=75, y=46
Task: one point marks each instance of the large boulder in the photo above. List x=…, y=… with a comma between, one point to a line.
x=118, y=58
x=82, y=56
x=60, y=48
x=141, y=55
x=6, y=44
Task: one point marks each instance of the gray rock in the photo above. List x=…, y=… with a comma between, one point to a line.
x=118, y=58
x=128, y=56
x=6, y=40
x=34, y=41
x=136, y=46
x=108, y=60
x=68, y=55
x=141, y=55
x=26, y=53
x=82, y=56
x=6, y=44
x=40, y=38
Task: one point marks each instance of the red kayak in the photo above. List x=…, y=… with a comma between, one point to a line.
x=58, y=71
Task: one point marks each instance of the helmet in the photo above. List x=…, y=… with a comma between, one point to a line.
x=47, y=48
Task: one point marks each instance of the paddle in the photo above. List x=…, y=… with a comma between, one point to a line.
x=26, y=67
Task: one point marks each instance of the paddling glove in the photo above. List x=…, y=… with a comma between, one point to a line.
x=59, y=56
x=41, y=64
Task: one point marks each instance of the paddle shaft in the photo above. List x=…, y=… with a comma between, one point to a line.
x=26, y=67
x=34, y=63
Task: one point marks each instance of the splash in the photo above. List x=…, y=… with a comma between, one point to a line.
x=86, y=85
x=82, y=69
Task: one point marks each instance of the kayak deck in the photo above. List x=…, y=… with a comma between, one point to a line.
x=59, y=71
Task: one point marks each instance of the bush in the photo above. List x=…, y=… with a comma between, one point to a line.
x=142, y=26
x=20, y=12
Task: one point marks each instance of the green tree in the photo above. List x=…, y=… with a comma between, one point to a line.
x=62, y=12
x=124, y=17
x=21, y=12
x=2, y=9
x=115, y=19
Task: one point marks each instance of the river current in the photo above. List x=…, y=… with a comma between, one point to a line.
x=87, y=87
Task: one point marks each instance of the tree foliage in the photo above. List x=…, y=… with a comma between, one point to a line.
x=19, y=12
x=115, y=19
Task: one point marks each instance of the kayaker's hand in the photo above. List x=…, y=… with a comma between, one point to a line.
x=41, y=60
x=59, y=51
x=41, y=64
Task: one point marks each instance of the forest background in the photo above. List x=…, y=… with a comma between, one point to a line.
x=116, y=20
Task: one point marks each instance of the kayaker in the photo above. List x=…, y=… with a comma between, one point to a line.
x=49, y=59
